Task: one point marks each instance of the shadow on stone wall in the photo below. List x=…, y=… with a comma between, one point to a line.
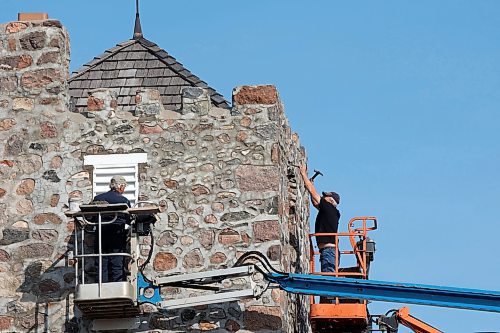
x=48, y=285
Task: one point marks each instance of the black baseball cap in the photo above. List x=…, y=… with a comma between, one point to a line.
x=334, y=195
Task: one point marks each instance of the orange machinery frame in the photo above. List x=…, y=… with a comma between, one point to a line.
x=415, y=324
x=339, y=313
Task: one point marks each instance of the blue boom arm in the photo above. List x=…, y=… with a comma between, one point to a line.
x=321, y=285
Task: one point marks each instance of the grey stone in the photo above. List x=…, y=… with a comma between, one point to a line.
x=33, y=41
x=46, y=235
x=217, y=313
x=271, y=206
x=14, y=145
x=234, y=161
x=11, y=236
x=51, y=175
x=266, y=132
x=167, y=238
x=30, y=163
x=272, y=112
x=8, y=84
x=188, y=315
x=166, y=162
x=173, y=146
x=36, y=146
x=123, y=129
x=193, y=259
x=236, y=216
x=173, y=220
x=234, y=312
x=192, y=92
x=35, y=250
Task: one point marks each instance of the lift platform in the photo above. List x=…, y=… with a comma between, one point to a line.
x=329, y=314
x=94, y=297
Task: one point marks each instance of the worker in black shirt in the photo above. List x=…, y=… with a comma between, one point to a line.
x=327, y=221
x=114, y=236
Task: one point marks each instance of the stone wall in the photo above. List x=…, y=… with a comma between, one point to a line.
x=35, y=281
x=226, y=182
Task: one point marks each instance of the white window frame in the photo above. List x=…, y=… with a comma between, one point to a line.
x=113, y=164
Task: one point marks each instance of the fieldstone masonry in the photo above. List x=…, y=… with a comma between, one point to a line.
x=225, y=180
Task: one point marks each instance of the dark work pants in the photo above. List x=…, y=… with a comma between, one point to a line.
x=114, y=241
x=112, y=267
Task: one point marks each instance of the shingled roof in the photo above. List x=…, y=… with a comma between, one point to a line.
x=133, y=64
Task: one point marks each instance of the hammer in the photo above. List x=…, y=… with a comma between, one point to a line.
x=316, y=173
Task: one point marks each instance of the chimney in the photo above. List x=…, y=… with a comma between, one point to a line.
x=32, y=16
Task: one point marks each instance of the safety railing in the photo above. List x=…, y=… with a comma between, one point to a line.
x=361, y=249
x=88, y=248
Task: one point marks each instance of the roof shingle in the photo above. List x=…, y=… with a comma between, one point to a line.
x=135, y=64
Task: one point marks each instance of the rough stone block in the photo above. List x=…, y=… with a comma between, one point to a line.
x=49, y=57
x=274, y=252
x=164, y=261
x=232, y=326
x=8, y=84
x=34, y=41
x=229, y=237
x=102, y=102
x=30, y=163
x=14, y=27
x=12, y=235
x=4, y=256
x=45, y=218
x=258, y=317
x=34, y=250
x=195, y=100
x=144, y=129
x=218, y=258
x=199, y=189
x=41, y=78
x=265, y=94
x=45, y=235
x=264, y=231
x=167, y=238
x=148, y=102
x=6, y=322
x=257, y=178
x=48, y=130
x=206, y=238
x=193, y=259
x=15, y=62
x=23, y=104
x=24, y=207
x=7, y=124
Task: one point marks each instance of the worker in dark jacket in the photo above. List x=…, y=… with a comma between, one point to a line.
x=114, y=236
x=327, y=221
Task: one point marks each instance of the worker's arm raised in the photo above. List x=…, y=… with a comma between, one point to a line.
x=315, y=197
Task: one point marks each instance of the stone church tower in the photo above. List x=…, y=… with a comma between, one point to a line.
x=224, y=175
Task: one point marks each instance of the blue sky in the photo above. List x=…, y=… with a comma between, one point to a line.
x=397, y=102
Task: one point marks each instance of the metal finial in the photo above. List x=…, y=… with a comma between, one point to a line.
x=137, y=27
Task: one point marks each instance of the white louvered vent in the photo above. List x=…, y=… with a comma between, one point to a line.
x=107, y=166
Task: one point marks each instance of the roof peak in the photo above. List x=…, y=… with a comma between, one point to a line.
x=137, y=26
x=134, y=64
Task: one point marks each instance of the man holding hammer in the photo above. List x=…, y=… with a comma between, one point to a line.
x=327, y=220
